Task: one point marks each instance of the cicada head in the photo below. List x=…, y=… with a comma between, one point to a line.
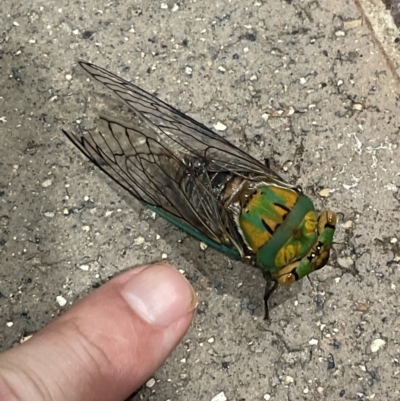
x=318, y=255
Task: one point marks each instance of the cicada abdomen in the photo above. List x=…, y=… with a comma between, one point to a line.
x=206, y=186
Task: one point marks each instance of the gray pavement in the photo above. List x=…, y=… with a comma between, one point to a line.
x=64, y=230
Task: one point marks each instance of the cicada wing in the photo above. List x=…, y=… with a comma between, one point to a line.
x=180, y=133
x=135, y=158
x=166, y=159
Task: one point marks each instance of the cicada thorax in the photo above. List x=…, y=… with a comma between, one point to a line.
x=280, y=227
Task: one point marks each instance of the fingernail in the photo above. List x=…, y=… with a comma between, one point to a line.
x=160, y=295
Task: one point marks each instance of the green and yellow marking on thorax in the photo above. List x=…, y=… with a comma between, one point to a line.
x=285, y=232
x=264, y=212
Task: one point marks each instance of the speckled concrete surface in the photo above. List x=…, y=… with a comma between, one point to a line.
x=64, y=230
x=393, y=6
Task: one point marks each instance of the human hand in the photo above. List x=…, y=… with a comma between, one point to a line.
x=107, y=345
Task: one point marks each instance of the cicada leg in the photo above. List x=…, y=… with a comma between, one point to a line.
x=269, y=289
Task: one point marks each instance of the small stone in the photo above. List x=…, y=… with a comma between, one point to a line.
x=325, y=192
x=303, y=81
x=139, y=241
x=65, y=211
x=222, y=69
x=48, y=214
x=188, y=70
x=150, y=383
x=203, y=246
x=377, y=344
x=219, y=397
x=9, y=324
x=219, y=126
x=68, y=77
x=351, y=24
x=313, y=341
x=267, y=397
x=211, y=340
x=289, y=379
x=61, y=300
x=164, y=256
x=46, y=183
x=84, y=267
x=286, y=166
x=358, y=107
x=391, y=187
x=347, y=224
x=86, y=228
x=340, y=33
x=345, y=262
x=361, y=306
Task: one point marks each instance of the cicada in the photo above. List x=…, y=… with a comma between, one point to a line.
x=208, y=187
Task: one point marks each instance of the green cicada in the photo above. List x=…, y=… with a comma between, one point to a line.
x=208, y=187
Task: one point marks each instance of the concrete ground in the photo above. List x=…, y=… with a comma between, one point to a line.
x=64, y=230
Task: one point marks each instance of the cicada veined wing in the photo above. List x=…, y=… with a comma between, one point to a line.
x=170, y=162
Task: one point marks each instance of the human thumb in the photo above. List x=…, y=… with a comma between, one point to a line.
x=107, y=345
